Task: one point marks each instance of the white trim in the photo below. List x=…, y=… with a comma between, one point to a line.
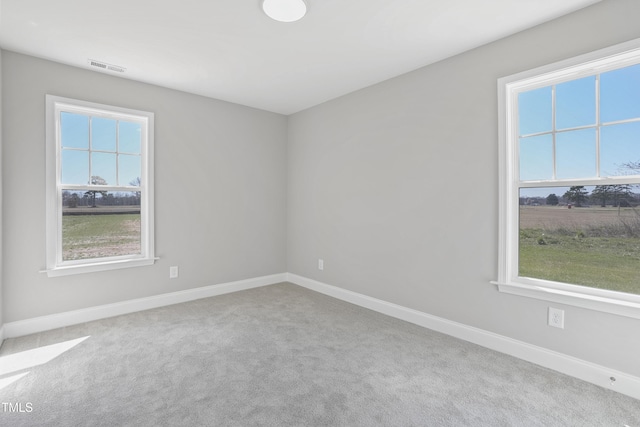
x=572, y=366
x=98, y=266
x=59, y=320
x=594, y=63
x=56, y=266
x=599, y=61
x=590, y=372
x=623, y=306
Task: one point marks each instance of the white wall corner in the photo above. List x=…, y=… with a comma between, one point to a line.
x=590, y=372
x=59, y=320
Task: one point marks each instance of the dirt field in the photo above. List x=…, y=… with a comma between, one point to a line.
x=97, y=236
x=101, y=210
x=551, y=217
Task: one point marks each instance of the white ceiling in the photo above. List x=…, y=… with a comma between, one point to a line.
x=229, y=50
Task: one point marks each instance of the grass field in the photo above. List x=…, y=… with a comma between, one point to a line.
x=596, y=247
x=96, y=236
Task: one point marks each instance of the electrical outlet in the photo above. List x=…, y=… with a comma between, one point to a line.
x=320, y=264
x=556, y=317
x=173, y=272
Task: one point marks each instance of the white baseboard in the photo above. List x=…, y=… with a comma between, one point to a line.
x=45, y=323
x=578, y=368
x=568, y=365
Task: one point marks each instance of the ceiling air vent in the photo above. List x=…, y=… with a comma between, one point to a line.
x=105, y=66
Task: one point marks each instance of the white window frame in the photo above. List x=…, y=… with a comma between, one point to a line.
x=55, y=264
x=622, y=55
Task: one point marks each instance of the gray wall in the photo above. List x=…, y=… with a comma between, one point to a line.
x=374, y=186
x=395, y=187
x=220, y=196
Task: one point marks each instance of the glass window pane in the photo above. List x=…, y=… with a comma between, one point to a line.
x=98, y=224
x=103, y=134
x=129, y=137
x=588, y=245
x=576, y=154
x=103, y=165
x=75, y=167
x=620, y=149
x=576, y=103
x=534, y=111
x=620, y=94
x=536, y=158
x=128, y=170
x=74, y=130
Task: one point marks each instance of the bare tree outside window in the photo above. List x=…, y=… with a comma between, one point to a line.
x=91, y=194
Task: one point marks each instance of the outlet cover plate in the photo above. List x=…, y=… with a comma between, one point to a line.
x=556, y=317
x=173, y=272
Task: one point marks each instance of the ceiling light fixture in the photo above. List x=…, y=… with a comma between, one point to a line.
x=284, y=10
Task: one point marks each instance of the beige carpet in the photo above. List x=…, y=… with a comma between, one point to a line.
x=285, y=356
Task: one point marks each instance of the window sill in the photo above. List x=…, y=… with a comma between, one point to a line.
x=99, y=266
x=605, y=304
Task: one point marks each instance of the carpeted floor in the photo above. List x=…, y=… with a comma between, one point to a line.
x=285, y=356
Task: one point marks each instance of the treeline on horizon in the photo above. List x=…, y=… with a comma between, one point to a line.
x=619, y=195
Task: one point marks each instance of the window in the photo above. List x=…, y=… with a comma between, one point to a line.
x=99, y=187
x=570, y=182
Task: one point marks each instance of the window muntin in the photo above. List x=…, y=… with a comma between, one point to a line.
x=571, y=124
x=561, y=132
x=100, y=189
x=573, y=144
